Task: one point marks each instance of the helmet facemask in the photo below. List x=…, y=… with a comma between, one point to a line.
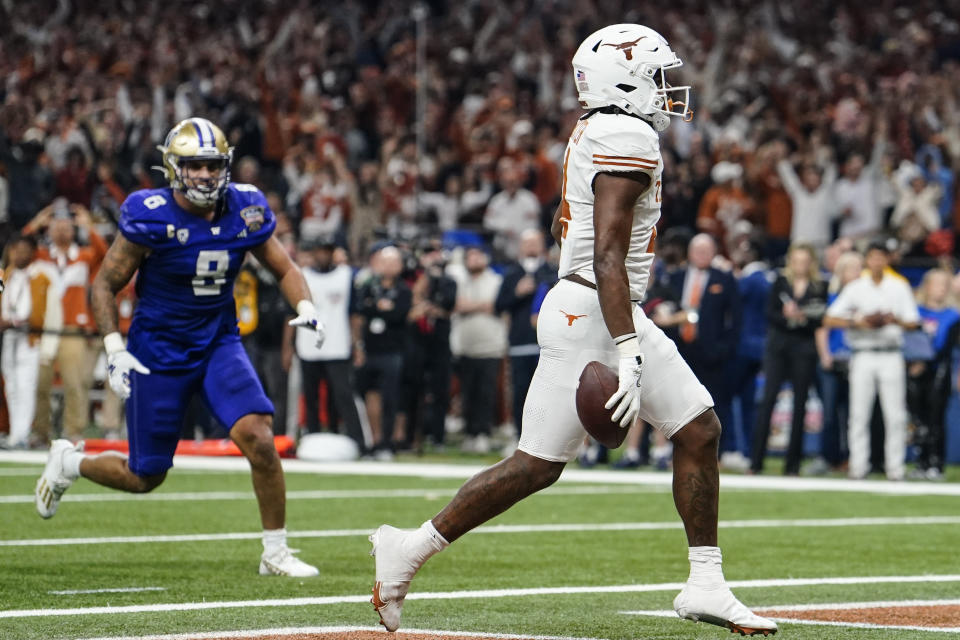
x=661, y=100
x=203, y=192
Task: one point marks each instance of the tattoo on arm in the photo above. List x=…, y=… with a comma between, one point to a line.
x=118, y=266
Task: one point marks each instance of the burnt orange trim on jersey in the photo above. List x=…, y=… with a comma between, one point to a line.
x=651, y=247
x=635, y=165
x=564, y=205
x=603, y=157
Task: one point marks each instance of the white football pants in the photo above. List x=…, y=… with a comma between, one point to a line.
x=883, y=373
x=19, y=365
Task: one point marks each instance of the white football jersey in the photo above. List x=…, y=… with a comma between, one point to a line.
x=599, y=144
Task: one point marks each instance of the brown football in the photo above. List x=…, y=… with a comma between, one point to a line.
x=597, y=383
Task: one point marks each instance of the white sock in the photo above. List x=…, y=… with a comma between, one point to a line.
x=424, y=542
x=71, y=463
x=705, y=567
x=274, y=539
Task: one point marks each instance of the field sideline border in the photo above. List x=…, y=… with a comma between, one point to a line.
x=286, y=631
x=464, y=471
x=466, y=594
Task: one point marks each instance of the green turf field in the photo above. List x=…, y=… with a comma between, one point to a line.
x=334, y=512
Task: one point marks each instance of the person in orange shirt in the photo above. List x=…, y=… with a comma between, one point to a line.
x=725, y=202
x=29, y=306
x=76, y=266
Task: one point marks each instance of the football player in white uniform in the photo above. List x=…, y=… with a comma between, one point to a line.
x=606, y=228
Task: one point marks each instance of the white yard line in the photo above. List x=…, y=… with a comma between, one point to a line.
x=498, y=529
x=260, y=633
x=75, y=592
x=571, y=474
x=476, y=594
x=329, y=494
x=835, y=606
x=843, y=606
x=14, y=471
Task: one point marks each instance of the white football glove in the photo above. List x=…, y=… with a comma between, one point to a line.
x=627, y=397
x=120, y=363
x=307, y=317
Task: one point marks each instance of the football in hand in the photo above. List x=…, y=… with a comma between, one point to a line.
x=597, y=383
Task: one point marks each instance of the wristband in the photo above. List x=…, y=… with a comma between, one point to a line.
x=628, y=345
x=113, y=342
x=306, y=308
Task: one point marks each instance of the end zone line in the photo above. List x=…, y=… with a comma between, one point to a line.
x=498, y=529
x=260, y=633
x=475, y=594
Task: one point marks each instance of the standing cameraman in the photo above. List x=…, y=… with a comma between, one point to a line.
x=383, y=302
x=429, y=361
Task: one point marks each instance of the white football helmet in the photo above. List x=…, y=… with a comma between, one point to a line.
x=624, y=65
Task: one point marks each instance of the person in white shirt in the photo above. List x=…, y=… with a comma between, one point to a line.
x=478, y=338
x=331, y=286
x=511, y=211
x=812, y=197
x=858, y=193
x=875, y=309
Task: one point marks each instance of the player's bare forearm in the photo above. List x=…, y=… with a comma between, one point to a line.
x=119, y=264
x=556, y=228
x=614, y=293
x=274, y=257
x=615, y=196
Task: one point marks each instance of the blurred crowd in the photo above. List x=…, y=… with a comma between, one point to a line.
x=835, y=123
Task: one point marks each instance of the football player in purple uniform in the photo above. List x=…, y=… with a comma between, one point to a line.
x=188, y=241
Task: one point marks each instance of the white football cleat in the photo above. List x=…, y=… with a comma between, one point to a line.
x=53, y=482
x=395, y=570
x=720, y=607
x=282, y=562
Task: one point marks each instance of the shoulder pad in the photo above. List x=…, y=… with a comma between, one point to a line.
x=622, y=143
x=144, y=216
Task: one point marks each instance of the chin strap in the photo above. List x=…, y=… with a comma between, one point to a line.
x=659, y=121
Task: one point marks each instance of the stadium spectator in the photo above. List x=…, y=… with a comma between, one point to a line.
x=512, y=210
x=265, y=341
x=754, y=279
x=429, y=360
x=478, y=340
x=331, y=286
x=834, y=369
x=725, y=202
x=915, y=215
x=795, y=308
x=858, y=191
x=383, y=302
x=520, y=281
x=876, y=308
x=708, y=338
x=811, y=194
x=77, y=266
x=29, y=306
x=929, y=381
